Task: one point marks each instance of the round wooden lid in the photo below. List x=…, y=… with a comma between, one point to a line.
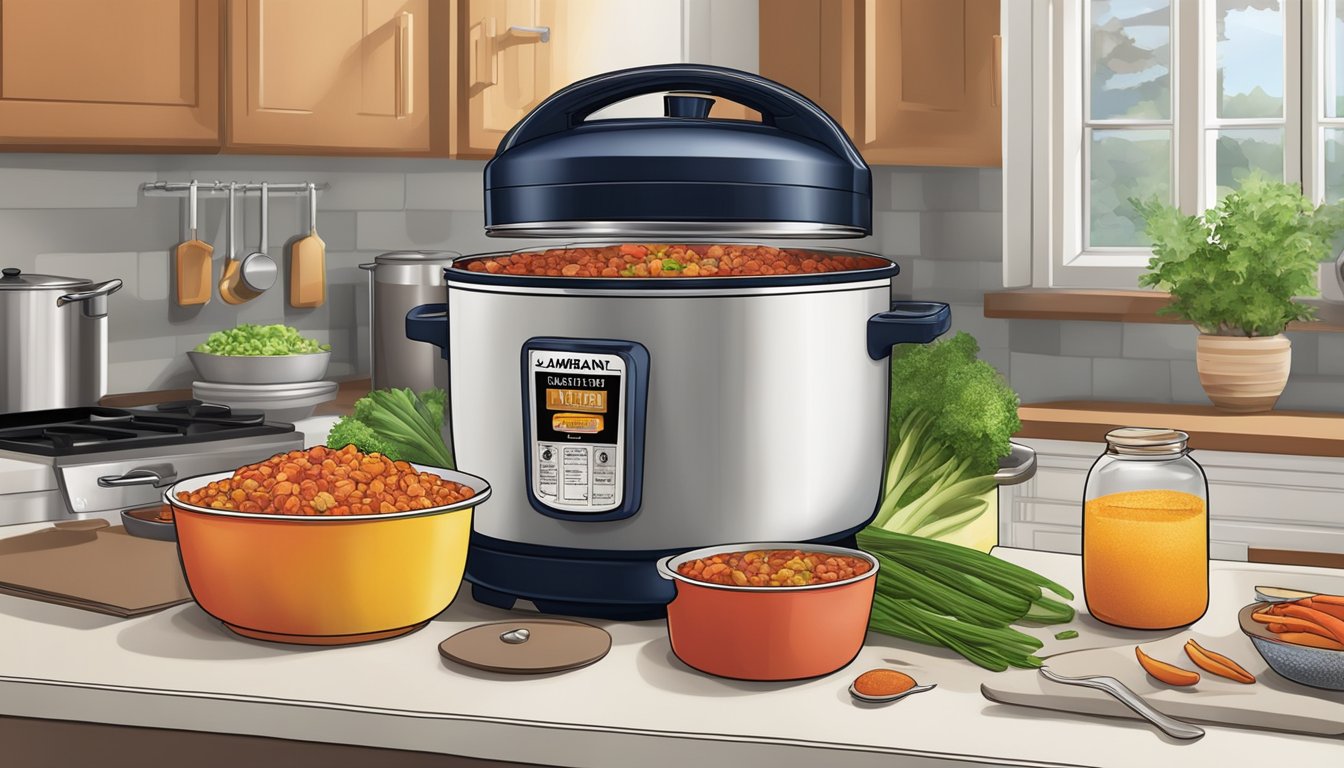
x=528, y=646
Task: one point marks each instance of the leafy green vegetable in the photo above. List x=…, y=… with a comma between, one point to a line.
x=937, y=593
x=398, y=424
x=952, y=417
x=1235, y=269
x=260, y=340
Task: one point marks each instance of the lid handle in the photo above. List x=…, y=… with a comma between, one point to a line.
x=781, y=107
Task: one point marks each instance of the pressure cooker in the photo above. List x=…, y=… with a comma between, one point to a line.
x=53, y=340
x=674, y=383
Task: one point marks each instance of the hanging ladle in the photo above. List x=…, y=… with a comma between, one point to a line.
x=247, y=278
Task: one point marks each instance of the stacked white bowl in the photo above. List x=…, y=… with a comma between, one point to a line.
x=286, y=387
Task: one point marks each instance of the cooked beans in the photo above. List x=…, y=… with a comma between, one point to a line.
x=774, y=568
x=653, y=260
x=321, y=481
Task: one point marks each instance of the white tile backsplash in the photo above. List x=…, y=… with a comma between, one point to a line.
x=1160, y=340
x=1131, y=380
x=1039, y=378
x=33, y=188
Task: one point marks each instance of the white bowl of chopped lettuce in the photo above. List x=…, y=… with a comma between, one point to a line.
x=260, y=354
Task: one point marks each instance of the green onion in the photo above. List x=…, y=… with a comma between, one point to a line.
x=1067, y=634
x=942, y=594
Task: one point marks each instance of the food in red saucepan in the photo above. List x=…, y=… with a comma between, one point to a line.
x=774, y=568
x=653, y=260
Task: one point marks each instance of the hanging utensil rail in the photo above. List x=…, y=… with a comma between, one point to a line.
x=158, y=188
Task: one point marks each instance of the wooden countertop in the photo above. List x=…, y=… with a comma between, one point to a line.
x=1299, y=433
x=1120, y=307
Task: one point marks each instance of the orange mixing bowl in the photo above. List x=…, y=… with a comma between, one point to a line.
x=320, y=580
x=768, y=633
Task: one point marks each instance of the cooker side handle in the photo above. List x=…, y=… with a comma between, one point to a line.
x=429, y=323
x=908, y=322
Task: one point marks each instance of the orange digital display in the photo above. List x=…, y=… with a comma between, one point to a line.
x=576, y=423
x=582, y=400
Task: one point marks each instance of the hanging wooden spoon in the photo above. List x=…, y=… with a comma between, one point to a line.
x=193, y=261
x=308, y=262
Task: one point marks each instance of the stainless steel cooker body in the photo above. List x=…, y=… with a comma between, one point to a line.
x=765, y=411
x=53, y=341
x=399, y=281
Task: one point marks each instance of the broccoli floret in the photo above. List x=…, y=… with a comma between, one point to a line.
x=349, y=430
x=973, y=410
x=952, y=417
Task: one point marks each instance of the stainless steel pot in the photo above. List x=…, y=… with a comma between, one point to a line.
x=53, y=340
x=747, y=408
x=398, y=282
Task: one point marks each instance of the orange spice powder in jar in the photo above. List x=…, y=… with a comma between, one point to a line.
x=1146, y=532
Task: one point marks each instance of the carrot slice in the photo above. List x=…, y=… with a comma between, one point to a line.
x=1290, y=624
x=1334, y=609
x=1315, y=641
x=1331, y=599
x=1217, y=663
x=1333, y=625
x=1167, y=673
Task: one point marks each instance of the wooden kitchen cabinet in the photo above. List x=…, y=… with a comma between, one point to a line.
x=505, y=68
x=811, y=46
x=98, y=74
x=334, y=76
x=914, y=82
x=515, y=53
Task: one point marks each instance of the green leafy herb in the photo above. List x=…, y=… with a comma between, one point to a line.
x=398, y=424
x=258, y=340
x=951, y=419
x=1236, y=269
x=671, y=265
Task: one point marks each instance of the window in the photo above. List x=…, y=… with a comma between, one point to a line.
x=1179, y=99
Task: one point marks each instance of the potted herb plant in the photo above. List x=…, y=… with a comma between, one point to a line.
x=1235, y=272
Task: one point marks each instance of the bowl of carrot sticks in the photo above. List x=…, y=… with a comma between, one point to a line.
x=1302, y=640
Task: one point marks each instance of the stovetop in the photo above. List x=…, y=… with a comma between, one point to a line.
x=89, y=430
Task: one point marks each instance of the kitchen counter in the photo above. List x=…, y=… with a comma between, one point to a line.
x=180, y=669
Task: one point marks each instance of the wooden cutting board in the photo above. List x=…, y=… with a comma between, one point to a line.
x=1272, y=702
x=90, y=565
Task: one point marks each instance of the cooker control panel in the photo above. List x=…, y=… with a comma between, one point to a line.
x=583, y=405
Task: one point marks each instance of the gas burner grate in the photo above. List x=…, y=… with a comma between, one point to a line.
x=71, y=431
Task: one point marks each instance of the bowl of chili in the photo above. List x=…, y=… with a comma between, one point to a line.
x=769, y=611
x=325, y=547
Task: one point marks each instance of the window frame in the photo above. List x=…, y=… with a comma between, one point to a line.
x=1046, y=131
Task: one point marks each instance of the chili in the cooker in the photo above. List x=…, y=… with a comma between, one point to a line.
x=321, y=481
x=655, y=260
x=774, y=568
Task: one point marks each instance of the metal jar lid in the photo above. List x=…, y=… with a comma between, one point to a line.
x=1146, y=441
x=13, y=279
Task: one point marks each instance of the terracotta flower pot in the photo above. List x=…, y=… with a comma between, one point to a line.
x=1243, y=373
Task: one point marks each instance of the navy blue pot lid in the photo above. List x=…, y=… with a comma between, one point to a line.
x=794, y=174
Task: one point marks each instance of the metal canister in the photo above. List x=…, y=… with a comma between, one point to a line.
x=398, y=282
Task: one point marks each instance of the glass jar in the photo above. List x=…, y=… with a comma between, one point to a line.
x=1146, y=532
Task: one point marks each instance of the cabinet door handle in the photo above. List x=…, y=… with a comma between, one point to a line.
x=541, y=34
x=996, y=73
x=405, y=42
